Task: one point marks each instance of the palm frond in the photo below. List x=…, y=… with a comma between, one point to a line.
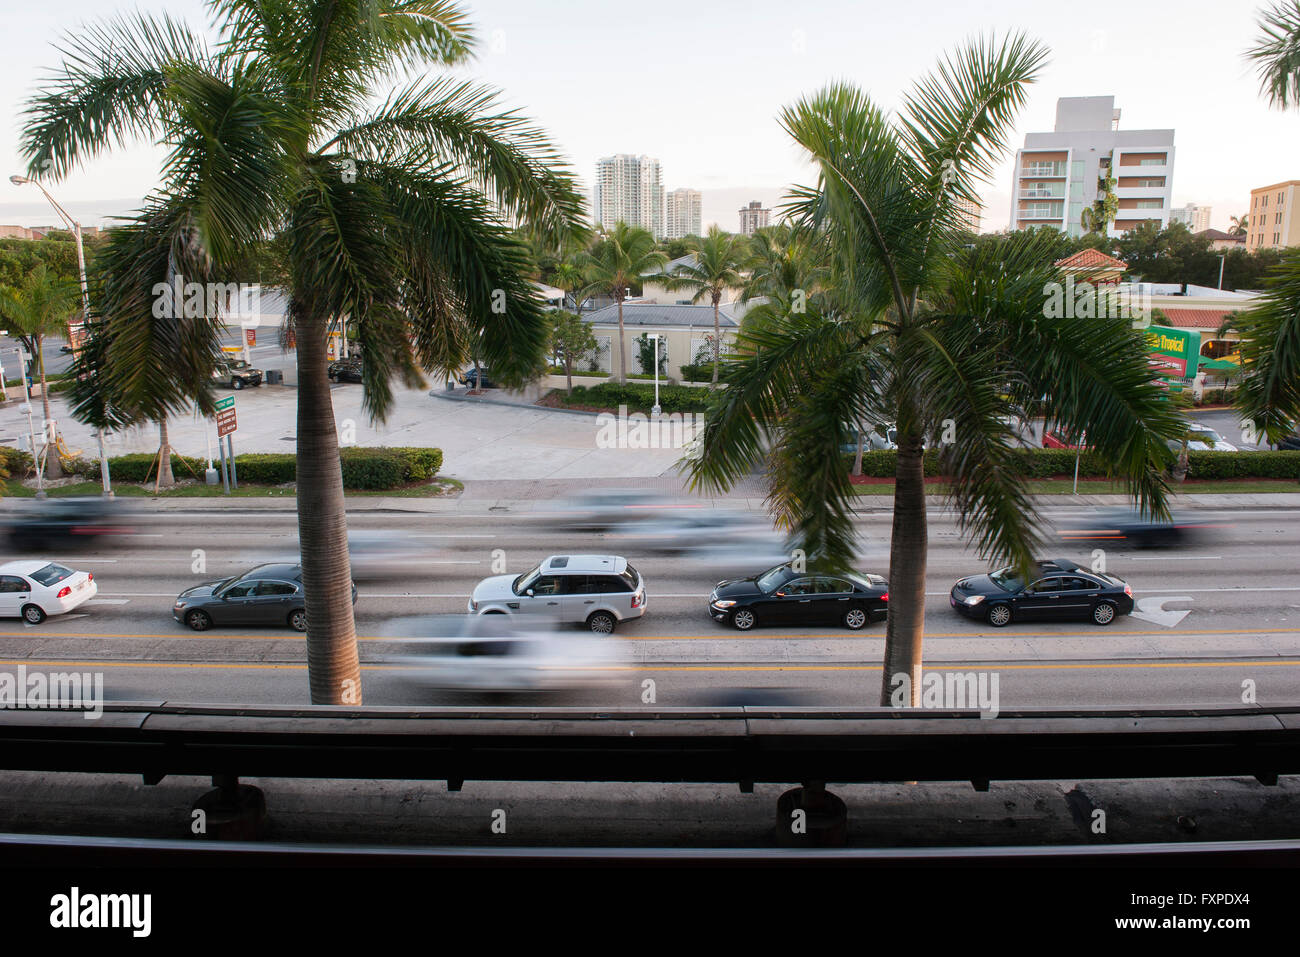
x=1276, y=54
x=1269, y=395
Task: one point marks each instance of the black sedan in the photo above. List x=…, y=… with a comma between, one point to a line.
x=1062, y=591
x=346, y=370
x=266, y=595
x=66, y=522
x=477, y=379
x=783, y=596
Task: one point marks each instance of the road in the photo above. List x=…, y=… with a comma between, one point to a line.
x=1220, y=613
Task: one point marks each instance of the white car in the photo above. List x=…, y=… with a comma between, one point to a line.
x=598, y=590
x=33, y=589
x=1203, y=439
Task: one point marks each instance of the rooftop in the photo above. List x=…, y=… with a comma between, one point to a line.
x=654, y=314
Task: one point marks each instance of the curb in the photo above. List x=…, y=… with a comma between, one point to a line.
x=453, y=397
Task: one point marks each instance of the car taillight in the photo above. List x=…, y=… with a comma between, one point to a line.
x=636, y=600
x=885, y=597
x=1128, y=591
x=90, y=576
x=64, y=592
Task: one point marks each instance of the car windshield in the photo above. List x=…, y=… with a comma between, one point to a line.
x=1208, y=436
x=525, y=581
x=769, y=580
x=51, y=574
x=1007, y=579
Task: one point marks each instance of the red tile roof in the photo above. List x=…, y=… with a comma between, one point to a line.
x=1196, y=318
x=1092, y=259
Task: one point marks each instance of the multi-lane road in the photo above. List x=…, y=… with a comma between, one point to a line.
x=1217, y=619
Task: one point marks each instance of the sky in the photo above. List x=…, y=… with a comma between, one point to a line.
x=700, y=85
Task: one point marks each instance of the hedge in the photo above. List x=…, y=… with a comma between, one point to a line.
x=639, y=398
x=367, y=469
x=1045, y=463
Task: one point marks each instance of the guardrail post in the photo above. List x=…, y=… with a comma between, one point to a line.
x=229, y=812
x=811, y=816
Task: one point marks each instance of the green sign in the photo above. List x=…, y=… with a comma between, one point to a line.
x=1174, y=352
x=227, y=403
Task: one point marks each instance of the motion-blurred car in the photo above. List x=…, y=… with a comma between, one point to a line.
x=376, y=555
x=501, y=653
x=1062, y=591
x=477, y=379
x=597, y=590
x=350, y=369
x=1129, y=525
x=33, y=589
x=51, y=523
x=605, y=509
x=784, y=596
x=237, y=374
x=265, y=595
x=705, y=532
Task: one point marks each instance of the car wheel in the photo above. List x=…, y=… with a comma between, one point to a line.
x=1103, y=613
x=602, y=623
x=855, y=619
x=199, y=620
x=999, y=615
x=33, y=614
x=743, y=619
x=236, y=384
x=298, y=619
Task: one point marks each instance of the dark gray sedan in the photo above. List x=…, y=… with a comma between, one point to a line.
x=266, y=595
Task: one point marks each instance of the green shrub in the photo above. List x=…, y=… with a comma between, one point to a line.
x=367, y=469
x=371, y=469
x=139, y=467
x=14, y=463
x=266, y=468
x=1205, y=464
x=638, y=397
x=422, y=464
x=697, y=372
x=1047, y=463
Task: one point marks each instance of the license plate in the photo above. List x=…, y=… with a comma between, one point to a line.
x=81, y=585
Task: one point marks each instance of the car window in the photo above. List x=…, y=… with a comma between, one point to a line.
x=240, y=589
x=1046, y=584
x=51, y=574
x=274, y=588
x=628, y=579
x=525, y=581
x=1007, y=579
x=611, y=584
x=832, y=586
x=12, y=583
x=769, y=580
x=548, y=585
x=800, y=586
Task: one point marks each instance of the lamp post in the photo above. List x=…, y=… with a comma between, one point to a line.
x=85, y=310
x=655, y=336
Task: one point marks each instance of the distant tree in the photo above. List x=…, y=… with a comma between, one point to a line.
x=1239, y=224
x=714, y=268
x=614, y=265
x=571, y=338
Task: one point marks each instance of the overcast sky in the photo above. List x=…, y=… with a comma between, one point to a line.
x=699, y=85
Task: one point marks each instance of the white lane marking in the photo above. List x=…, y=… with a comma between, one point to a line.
x=73, y=615
x=95, y=561
x=1153, y=610
x=454, y=535
x=1172, y=558
x=109, y=601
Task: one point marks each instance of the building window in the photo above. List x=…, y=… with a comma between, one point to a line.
x=1150, y=204
x=1152, y=161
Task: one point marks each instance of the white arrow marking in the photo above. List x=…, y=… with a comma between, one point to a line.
x=1152, y=610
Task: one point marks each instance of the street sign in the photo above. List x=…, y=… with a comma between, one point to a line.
x=250, y=336
x=226, y=422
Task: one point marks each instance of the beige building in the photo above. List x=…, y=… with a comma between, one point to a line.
x=657, y=293
x=682, y=213
x=969, y=214
x=687, y=333
x=1274, y=222
x=754, y=217
x=15, y=232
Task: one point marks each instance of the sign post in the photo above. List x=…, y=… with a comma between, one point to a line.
x=226, y=424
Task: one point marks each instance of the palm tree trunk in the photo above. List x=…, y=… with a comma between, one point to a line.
x=862, y=441
x=717, y=340
x=907, y=560
x=53, y=468
x=622, y=345
x=165, y=477
x=568, y=369
x=333, y=667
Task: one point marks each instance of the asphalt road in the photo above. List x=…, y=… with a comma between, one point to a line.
x=1213, y=615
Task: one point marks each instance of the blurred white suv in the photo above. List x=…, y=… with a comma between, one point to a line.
x=598, y=590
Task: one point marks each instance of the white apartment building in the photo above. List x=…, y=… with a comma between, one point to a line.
x=753, y=217
x=682, y=213
x=1196, y=218
x=1056, y=174
x=629, y=189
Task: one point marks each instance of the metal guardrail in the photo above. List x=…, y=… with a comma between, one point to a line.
x=741, y=745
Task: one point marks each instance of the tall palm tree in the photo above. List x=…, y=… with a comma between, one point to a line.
x=714, y=268
x=949, y=343
x=1239, y=224
x=394, y=215
x=40, y=307
x=1269, y=393
x=1277, y=54
x=569, y=279
x=619, y=261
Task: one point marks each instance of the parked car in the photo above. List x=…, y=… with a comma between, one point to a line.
x=471, y=377
x=785, y=596
x=34, y=588
x=1203, y=438
x=237, y=374
x=346, y=370
x=53, y=523
x=1056, y=439
x=874, y=440
x=1290, y=442
x=1062, y=591
x=597, y=590
x=265, y=595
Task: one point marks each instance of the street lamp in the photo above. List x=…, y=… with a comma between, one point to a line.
x=85, y=312
x=655, y=336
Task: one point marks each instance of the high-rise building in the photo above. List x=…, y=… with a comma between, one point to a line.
x=969, y=214
x=753, y=217
x=629, y=189
x=1196, y=218
x=1274, y=222
x=1059, y=174
x=682, y=213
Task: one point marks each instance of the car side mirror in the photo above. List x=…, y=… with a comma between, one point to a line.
x=780, y=594
x=529, y=593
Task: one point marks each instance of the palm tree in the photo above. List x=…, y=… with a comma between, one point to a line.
x=1240, y=224
x=619, y=261
x=1277, y=54
x=394, y=215
x=1269, y=393
x=950, y=343
x=40, y=307
x=569, y=279
x=714, y=268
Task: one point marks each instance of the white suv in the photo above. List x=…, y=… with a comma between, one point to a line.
x=598, y=590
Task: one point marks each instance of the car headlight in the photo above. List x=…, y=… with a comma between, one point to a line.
x=473, y=605
x=973, y=599
x=180, y=604
x=723, y=604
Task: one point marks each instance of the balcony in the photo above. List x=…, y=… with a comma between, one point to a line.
x=1043, y=194
x=1044, y=169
